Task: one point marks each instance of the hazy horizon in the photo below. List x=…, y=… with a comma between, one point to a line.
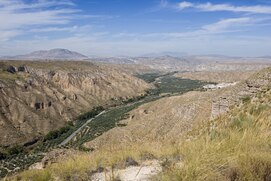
x=135, y=28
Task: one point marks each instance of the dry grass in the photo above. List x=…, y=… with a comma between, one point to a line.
x=82, y=165
x=236, y=146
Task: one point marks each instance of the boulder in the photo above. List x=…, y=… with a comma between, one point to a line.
x=12, y=69
x=23, y=69
x=130, y=162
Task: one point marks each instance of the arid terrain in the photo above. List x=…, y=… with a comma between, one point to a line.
x=37, y=97
x=166, y=138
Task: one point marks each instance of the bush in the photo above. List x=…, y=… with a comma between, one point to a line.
x=246, y=99
x=95, y=111
x=2, y=156
x=57, y=133
x=15, y=150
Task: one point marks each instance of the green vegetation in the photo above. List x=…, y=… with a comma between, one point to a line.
x=135, y=99
x=149, y=77
x=246, y=99
x=169, y=84
x=103, y=123
x=2, y=156
x=95, y=111
x=23, y=157
x=58, y=133
x=6, y=76
x=15, y=150
x=65, y=131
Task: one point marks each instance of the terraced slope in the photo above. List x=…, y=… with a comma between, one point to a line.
x=37, y=97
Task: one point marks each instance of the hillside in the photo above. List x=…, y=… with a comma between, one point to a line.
x=37, y=97
x=217, y=76
x=231, y=146
x=170, y=118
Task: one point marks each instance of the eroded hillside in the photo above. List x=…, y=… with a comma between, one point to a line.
x=37, y=97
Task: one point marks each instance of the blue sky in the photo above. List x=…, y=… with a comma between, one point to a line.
x=136, y=27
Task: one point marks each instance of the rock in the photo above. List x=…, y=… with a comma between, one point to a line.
x=130, y=162
x=142, y=172
x=98, y=170
x=29, y=81
x=36, y=166
x=12, y=69
x=23, y=69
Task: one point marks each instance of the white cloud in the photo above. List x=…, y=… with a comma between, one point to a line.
x=77, y=29
x=185, y=4
x=226, y=24
x=209, y=7
x=6, y=35
x=17, y=14
x=18, y=17
x=220, y=27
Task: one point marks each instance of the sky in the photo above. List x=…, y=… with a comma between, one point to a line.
x=137, y=27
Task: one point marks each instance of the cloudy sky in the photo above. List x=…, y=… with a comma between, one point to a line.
x=136, y=27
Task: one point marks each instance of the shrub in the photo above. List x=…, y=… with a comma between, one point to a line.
x=2, y=156
x=95, y=111
x=15, y=150
x=246, y=99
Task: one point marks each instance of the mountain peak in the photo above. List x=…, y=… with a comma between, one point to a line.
x=53, y=54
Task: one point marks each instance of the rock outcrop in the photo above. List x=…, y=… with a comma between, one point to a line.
x=12, y=69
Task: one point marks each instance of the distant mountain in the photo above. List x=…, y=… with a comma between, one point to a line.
x=53, y=54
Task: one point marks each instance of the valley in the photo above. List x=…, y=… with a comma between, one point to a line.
x=173, y=134
x=88, y=127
